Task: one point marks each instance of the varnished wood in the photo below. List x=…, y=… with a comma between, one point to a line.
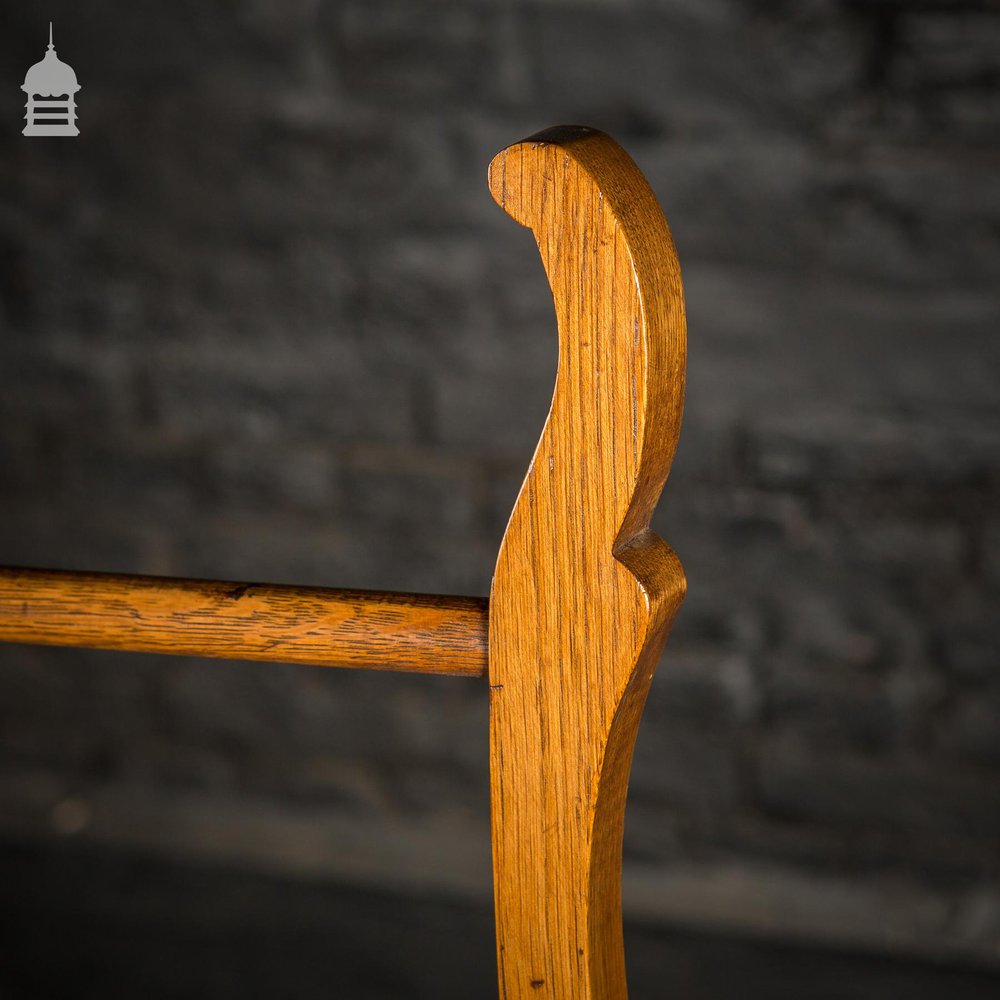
x=582, y=597
x=584, y=592
x=247, y=621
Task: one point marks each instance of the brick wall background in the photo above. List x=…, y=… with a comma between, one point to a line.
x=262, y=320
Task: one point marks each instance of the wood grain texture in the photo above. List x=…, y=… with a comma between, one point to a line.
x=248, y=621
x=584, y=592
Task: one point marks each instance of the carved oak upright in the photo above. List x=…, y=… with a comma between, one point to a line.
x=582, y=598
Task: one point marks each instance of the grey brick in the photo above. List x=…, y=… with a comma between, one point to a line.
x=968, y=728
x=895, y=794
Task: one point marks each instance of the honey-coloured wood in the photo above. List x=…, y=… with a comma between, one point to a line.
x=584, y=592
x=249, y=621
x=582, y=597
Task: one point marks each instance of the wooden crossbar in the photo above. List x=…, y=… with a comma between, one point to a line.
x=421, y=633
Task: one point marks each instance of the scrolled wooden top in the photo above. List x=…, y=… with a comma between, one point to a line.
x=584, y=591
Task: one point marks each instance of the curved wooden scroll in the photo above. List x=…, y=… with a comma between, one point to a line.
x=584, y=592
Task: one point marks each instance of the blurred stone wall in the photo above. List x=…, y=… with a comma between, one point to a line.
x=262, y=321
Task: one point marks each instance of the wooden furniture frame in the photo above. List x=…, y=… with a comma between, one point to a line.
x=581, y=601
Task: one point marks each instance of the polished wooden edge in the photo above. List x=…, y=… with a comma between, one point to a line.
x=584, y=591
x=420, y=633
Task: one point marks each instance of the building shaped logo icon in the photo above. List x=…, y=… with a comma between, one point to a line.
x=51, y=88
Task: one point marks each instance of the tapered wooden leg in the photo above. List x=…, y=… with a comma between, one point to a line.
x=584, y=592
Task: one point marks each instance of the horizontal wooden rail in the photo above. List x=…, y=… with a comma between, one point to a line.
x=421, y=633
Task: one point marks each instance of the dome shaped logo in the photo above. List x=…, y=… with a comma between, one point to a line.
x=51, y=86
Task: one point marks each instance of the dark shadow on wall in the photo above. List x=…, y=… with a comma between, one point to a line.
x=81, y=923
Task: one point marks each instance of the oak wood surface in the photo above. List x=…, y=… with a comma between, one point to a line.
x=582, y=597
x=310, y=625
x=584, y=592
